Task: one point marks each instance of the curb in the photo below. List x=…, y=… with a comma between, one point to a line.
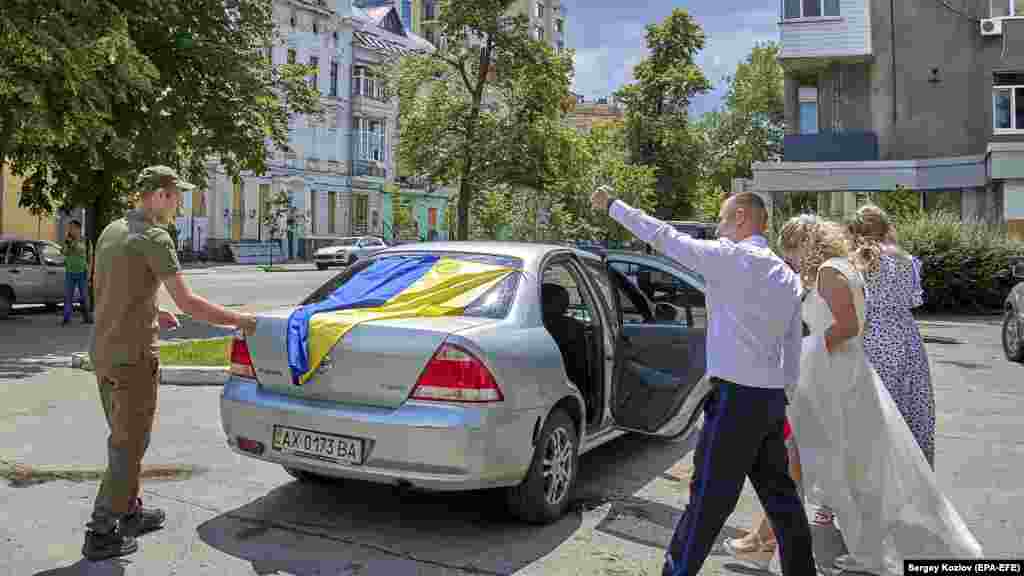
x=172, y=375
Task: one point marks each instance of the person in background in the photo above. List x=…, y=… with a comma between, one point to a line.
x=77, y=266
x=891, y=337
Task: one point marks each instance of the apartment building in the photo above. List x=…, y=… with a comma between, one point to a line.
x=584, y=115
x=547, y=18
x=925, y=94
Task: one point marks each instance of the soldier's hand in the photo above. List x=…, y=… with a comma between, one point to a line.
x=599, y=199
x=247, y=324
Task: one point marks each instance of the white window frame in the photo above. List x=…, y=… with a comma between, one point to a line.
x=540, y=8
x=802, y=16
x=369, y=141
x=366, y=84
x=809, y=95
x=334, y=72
x=538, y=32
x=1011, y=11
x=1016, y=91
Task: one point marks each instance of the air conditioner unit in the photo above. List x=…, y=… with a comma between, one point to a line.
x=992, y=27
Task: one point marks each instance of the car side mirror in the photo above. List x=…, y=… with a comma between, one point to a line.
x=1018, y=270
x=53, y=262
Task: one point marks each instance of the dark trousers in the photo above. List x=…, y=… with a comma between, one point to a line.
x=742, y=438
x=72, y=281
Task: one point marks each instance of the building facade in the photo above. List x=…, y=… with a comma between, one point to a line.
x=547, y=18
x=920, y=94
x=584, y=116
x=19, y=222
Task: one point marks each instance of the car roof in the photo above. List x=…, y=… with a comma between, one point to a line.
x=528, y=252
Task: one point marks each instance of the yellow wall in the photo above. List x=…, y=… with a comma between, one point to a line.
x=17, y=221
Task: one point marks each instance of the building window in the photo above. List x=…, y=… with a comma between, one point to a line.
x=332, y=207
x=291, y=55
x=1006, y=8
x=292, y=19
x=809, y=8
x=316, y=27
x=315, y=63
x=428, y=10
x=312, y=212
x=808, y=109
x=360, y=208
x=265, y=207
x=334, y=78
x=1008, y=101
x=540, y=9
x=365, y=84
x=538, y=33
x=370, y=140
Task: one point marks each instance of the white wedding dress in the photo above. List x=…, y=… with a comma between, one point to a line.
x=859, y=456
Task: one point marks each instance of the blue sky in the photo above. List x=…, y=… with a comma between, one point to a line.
x=608, y=36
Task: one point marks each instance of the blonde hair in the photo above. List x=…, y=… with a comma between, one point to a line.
x=817, y=240
x=869, y=230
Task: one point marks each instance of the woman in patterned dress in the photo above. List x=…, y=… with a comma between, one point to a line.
x=891, y=338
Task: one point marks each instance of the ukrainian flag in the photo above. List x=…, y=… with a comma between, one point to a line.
x=392, y=287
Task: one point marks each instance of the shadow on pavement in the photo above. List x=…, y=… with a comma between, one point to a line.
x=33, y=341
x=86, y=568
x=469, y=531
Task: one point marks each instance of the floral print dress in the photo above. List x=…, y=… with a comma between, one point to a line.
x=894, y=345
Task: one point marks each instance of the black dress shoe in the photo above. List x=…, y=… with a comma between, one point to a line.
x=114, y=544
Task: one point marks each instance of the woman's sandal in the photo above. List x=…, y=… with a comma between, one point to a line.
x=751, y=549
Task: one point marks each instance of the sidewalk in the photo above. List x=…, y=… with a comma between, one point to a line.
x=208, y=267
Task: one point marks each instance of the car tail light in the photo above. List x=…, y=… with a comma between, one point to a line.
x=241, y=360
x=456, y=375
x=250, y=446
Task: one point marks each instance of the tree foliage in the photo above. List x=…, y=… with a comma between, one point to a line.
x=474, y=110
x=751, y=125
x=90, y=92
x=657, y=120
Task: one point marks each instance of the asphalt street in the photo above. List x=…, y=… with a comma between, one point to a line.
x=234, y=515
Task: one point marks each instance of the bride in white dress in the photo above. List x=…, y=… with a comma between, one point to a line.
x=857, y=452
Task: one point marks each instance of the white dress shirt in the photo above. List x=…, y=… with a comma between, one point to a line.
x=754, y=325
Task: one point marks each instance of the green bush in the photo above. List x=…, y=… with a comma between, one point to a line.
x=965, y=265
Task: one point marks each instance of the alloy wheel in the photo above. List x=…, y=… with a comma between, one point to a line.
x=557, y=466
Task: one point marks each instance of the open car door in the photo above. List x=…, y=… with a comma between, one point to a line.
x=659, y=380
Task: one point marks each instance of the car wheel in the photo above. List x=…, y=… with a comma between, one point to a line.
x=1013, y=340
x=544, y=494
x=5, y=304
x=309, y=477
x=321, y=267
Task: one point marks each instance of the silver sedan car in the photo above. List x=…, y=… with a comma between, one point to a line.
x=563, y=355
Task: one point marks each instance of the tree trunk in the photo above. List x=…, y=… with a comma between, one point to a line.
x=462, y=210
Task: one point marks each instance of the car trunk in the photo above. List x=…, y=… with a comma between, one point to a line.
x=376, y=363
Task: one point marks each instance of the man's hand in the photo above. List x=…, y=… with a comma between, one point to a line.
x=168, y=321
x=599, y=199
x=247, y=324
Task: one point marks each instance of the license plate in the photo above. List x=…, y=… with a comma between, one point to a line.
x=309, y=444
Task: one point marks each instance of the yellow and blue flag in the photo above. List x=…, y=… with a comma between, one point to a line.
x=392, y=287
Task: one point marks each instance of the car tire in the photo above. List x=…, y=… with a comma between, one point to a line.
x=309, y=477
x=1013, y=345
x=536, y=500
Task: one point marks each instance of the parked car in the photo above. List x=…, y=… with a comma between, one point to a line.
x=347, y=251
x=565, y=354
x=31, y=272
x=1013, y=319
x=699, y=230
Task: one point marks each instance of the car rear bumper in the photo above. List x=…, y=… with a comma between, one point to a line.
x=430, y=446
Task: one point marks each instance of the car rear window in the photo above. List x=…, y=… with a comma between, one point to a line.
x=495, y=303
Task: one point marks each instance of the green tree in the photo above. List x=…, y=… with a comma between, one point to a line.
x=751, y=125
x=902, y=204
x=278, y=214
x=90, y=92
x=467, y=109
x=657, y=105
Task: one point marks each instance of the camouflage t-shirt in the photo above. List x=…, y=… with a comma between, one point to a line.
x=133, y=257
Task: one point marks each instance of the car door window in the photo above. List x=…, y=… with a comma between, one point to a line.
x=26, y=255
x=666, y=289
x=578, y=308
x=604, y=284
x=53, y=255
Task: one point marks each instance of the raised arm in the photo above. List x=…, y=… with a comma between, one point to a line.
x=698, y=255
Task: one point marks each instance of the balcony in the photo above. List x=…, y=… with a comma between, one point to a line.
x=832, y=30
x=830, y=147
x=369, y=168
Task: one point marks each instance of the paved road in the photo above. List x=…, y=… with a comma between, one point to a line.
x=239, y=516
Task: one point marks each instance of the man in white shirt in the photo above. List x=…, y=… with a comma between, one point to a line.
x=753, y=356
